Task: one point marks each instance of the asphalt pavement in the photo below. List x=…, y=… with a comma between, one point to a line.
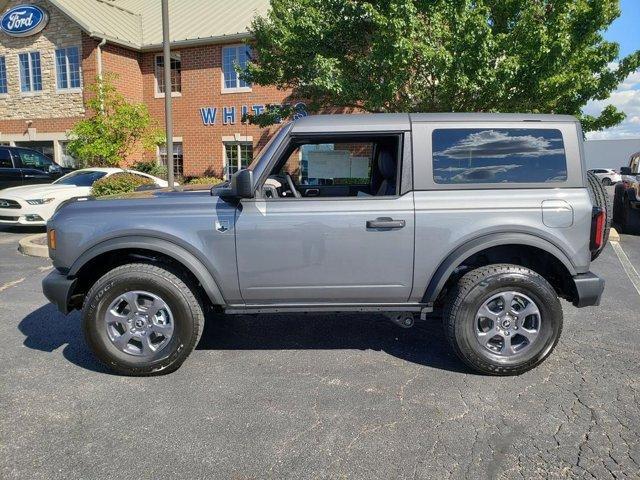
x=310, y=396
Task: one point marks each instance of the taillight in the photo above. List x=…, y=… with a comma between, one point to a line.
x=598, y=220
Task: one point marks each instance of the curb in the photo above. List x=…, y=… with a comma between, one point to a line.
x=614, y=236
x=28, y=246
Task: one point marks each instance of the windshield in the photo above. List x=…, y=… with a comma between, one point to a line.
x=81, y=178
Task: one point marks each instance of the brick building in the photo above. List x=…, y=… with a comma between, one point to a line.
x=51, y=50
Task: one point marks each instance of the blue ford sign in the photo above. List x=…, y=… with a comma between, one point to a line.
x=23, y=20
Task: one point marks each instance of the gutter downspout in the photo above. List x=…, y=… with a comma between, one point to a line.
x=99, y=69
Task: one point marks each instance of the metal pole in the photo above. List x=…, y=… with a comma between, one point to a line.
x=168, y=114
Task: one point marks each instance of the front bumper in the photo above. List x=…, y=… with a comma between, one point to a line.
x=589, y=288
x=58, y=289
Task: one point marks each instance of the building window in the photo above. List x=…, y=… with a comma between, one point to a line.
x=3, y=76
x=178, y=169
x=68, y=68
x=30, y=72
x=239, y=56
x=176, y=74
x=236, y=157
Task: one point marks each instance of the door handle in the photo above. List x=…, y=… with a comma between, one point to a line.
x=385, y=223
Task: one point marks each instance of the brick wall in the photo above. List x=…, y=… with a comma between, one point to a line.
x=202, y=87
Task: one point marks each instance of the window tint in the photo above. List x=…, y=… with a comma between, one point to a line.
x=34, y=160
x=80, y=179
x=5, y=158
x=498, y=155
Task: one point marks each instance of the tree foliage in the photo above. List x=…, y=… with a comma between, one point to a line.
x=537, y=56
x=112, y=129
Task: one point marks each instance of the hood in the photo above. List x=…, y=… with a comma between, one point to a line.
x=154, y=192
x=27, y=192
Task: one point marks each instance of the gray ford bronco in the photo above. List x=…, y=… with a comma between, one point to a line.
x=485, y=220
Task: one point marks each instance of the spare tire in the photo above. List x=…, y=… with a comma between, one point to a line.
x=600, y=198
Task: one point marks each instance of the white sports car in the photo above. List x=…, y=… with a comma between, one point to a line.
x=35, y=204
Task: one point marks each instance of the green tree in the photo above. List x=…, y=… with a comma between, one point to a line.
x=537, y=56
x=112, y=129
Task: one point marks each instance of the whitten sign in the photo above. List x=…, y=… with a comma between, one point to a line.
x=23, y=20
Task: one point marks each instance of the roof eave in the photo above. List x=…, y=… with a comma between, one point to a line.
x=194, y=42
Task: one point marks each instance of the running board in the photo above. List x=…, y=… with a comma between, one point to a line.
x=335, y=307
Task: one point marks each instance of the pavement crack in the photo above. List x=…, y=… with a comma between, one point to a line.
x=11, y=284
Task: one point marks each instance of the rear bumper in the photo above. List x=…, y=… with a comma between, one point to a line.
x=58, y=289
x=589, y=288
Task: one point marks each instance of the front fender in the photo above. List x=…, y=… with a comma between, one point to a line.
x=179, y=254
x=462, y=252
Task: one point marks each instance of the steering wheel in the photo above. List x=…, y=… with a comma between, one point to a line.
x=291, y=185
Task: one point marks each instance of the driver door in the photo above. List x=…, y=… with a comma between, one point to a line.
x=327, y=248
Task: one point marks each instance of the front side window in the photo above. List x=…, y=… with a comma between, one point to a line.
x=67, y=68
x=498, y=155
x=30, y=72
x=5, y=158
x=3, y=76
x=176, y=73
x=237, y=156
x=178, y=165
x=235, y=57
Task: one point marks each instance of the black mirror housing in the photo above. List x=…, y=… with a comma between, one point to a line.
x=240, y=186
x=625, y=171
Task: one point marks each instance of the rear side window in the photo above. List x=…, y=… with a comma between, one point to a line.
x=5, y=158
x=498, y=155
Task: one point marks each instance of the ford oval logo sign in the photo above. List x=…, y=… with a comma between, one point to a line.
x=24, y=20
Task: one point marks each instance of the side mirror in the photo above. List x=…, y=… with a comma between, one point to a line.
x=625, y=171
x=240, y=186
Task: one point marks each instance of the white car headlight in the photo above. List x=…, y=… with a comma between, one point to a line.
x=40, y=201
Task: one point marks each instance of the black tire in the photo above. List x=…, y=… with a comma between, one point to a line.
x=600, y=198
x=166, y=284
x=473, y=289
x=621, y=209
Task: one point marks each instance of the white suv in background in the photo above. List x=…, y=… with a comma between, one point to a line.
x=607, y=176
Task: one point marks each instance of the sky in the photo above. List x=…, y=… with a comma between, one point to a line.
x=626, y=31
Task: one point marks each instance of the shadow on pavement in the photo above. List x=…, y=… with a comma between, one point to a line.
x=47, y=330
x=424, y=344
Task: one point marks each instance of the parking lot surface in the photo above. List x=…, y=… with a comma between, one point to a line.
x=340, y=396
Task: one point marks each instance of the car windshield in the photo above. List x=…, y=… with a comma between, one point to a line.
x=82, y=178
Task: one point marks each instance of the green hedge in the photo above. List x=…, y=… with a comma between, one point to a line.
x=151, y=167
x=118, y=183
x=205, y=181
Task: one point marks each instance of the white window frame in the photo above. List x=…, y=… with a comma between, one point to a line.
x=6, y=77
x=159, y=157
x=237, y=88
x=236, y=141
x=31, y=92
x=66, y=62
x=156, y=87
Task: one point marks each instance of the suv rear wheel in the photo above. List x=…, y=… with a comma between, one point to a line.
x=142, y=319
x=503, y=319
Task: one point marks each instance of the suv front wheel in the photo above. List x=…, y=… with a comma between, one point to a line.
x=142, y=319
x=503, y=319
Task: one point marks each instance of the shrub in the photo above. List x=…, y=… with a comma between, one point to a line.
x=118, y=183
x=205, y=181
x=151, y=167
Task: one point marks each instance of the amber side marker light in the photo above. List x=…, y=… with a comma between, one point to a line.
x=51, y=239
